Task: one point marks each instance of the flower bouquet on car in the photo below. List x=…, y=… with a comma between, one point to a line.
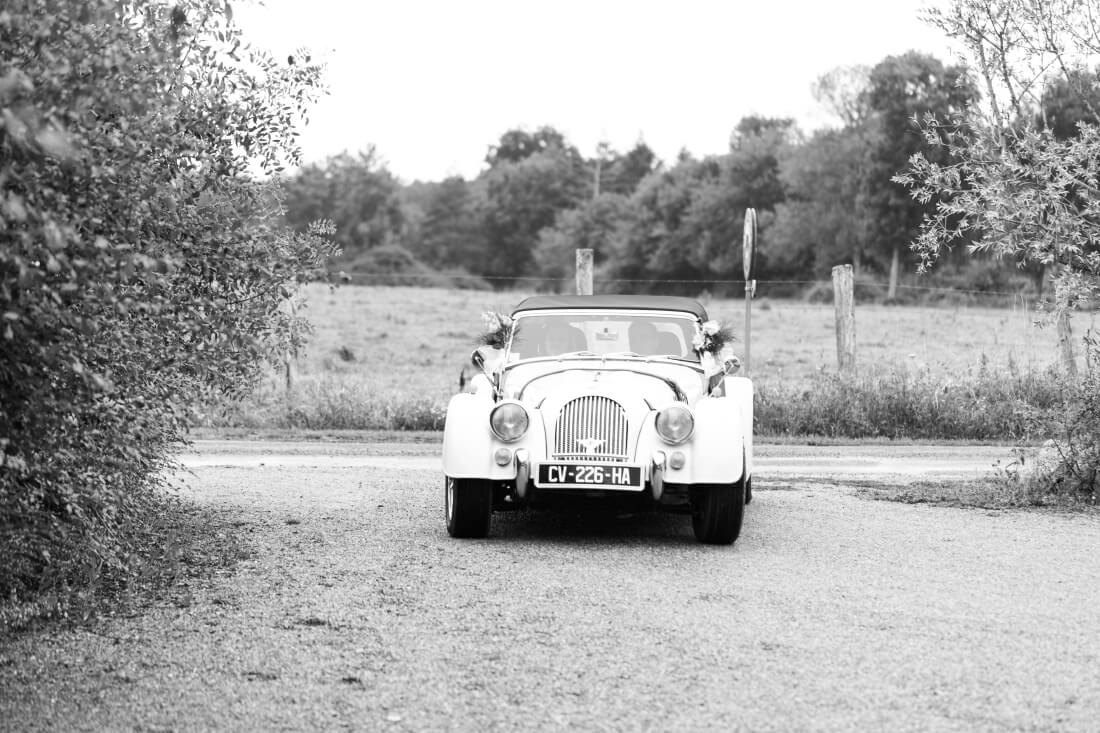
x=713, y=342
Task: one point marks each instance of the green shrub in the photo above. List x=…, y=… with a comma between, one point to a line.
x=1069, y=467
x=140, y=271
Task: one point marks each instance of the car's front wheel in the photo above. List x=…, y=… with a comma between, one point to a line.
x=469, y=506
x=717, y=511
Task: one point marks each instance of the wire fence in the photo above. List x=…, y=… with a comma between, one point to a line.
x=447, y=277
x=935, y=322
x=810, y=291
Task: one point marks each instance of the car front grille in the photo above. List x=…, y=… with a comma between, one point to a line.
x=591, y=428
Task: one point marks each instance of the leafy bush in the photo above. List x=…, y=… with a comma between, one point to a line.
x=140, y=268
x=1070, y=468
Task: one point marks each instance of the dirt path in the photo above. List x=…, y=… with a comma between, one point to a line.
x=355, y=610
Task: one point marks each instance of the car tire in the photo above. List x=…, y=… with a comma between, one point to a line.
x=748, y=491
x=468, y=506
x=717, y=511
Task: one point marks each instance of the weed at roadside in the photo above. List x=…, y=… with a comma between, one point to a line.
x=896, y=402
x=172, y=542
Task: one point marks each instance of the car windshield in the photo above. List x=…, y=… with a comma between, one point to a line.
x=603, y=334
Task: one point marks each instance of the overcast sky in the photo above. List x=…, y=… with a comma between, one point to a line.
x=433, y=83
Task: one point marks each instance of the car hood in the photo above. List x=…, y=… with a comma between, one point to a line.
x=633, y=383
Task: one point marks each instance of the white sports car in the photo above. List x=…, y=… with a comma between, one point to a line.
x=608, y=397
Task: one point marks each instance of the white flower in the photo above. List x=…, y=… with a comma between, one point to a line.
x=710, y=328
x=496, y=321
x=698, y=341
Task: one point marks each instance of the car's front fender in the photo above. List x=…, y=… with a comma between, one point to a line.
x=469, y=443
x=720, y=449
x=717, y=447
x=467, y=439
x=740, y=390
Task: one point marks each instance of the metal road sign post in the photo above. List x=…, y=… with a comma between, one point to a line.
x=748, y=247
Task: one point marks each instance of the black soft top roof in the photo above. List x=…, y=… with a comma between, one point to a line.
x=618, y=302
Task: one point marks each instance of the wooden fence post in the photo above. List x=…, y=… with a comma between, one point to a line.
x=584, y=272
x=1065, y=344
x=290, y=358
x=845, y=302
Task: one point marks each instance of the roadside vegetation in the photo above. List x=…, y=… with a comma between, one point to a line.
x=389, y=358
x=143, y=269
x=1015, y=177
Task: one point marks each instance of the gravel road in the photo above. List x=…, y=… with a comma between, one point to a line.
x=353, y=609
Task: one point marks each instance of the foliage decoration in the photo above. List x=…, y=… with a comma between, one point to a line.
x=499, y=329
x=712, y=337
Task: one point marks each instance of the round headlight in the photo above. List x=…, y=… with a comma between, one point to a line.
x=508, y=421
x=675, y=424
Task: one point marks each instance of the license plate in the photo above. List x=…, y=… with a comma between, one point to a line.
x=607, y=476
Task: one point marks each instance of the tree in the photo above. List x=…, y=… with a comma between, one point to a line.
x=354, y=192
x=822, y=223
x=825, y=219
x=653, y=245
x=1068, y=101
x=594, y=225
x=899, y=90
x=452, y=232
x=1011, y=189
x=621, y=173
x=142, y=270
x=523, y=196
x=1018, y=191
x=843, y=91
x=690, y=217
x=517, y=145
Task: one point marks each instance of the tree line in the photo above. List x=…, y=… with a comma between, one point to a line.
x=823, y=199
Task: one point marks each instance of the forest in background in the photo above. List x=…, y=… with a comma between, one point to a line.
x=823, y=198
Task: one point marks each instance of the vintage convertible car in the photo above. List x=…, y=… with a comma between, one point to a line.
x=606, y=397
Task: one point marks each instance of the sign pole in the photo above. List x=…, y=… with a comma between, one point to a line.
x=748, y=247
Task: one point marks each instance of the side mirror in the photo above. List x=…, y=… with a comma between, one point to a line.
x=488, y=360
x=730, y=362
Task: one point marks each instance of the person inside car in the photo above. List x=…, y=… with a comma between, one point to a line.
x=644, y=338
x=561, y=338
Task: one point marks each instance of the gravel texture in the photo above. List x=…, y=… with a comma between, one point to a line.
x=353, y=609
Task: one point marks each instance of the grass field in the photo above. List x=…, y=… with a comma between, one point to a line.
x=403, y=348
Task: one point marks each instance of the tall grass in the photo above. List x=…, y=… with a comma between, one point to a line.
x=898, y=402
x=389, y=358
x=882, y=402
x=333, y=403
